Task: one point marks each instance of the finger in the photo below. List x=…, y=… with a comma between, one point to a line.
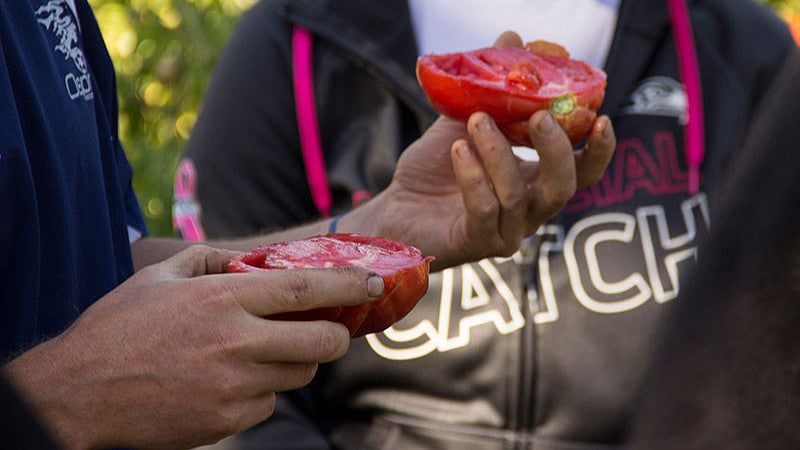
x=592, y=160
x=556, y=162
x=508, y=39
x=267, y=292
x=477, y=192
x=504, y=173
x=312, y=342
x=279, y=377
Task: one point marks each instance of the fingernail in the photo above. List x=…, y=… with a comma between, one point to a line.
x=374, y=286
x=462, y=150
x=547, y=125
x=486, y=124
x=606, y=129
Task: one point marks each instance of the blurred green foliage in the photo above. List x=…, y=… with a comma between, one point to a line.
x=790, y=11
x=781, y=4
x=164, y=52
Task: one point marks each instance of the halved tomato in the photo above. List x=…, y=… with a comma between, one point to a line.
x=403, y=268
x=510, y=84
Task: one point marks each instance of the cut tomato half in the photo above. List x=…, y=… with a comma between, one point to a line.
x=403, y=268
x=510, y=84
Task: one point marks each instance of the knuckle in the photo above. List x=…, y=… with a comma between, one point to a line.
x=594, y=178
x=224, y=418
x=503, y=247
x=307, y=373
x=516, y=198
x=298, y=375
x=496, y=143
x=476, y=182
x=330, y=343
x=562, y=193
x=299, y=287
x=216, y=295
x=269, y=405
x=511, y=246
x=291, y=289
x=226, y=421
x=229, y=389
x=232, y=343
x=257, y=411
x=350, y=275
x=153, y=271
x=487, y=211
x=197, y=253
x=198, y=250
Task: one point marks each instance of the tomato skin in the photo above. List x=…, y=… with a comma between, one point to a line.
x=510, y=84
x=403, y=269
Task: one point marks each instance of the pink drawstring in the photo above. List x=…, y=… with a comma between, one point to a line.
x=185, y=210
x=307, y=121
x=690, y=74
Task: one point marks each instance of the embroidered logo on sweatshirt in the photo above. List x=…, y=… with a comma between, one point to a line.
x=659, y=96
x=58, y=17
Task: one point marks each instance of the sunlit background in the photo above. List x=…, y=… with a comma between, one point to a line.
x=164, y=52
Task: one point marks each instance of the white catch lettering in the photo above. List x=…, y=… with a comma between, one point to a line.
x=663, y=251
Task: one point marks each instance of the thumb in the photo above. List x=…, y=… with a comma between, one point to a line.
x=507, y=40
x=198, y=260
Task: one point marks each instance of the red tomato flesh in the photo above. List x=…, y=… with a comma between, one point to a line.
x=510, y=84
x=402, y=267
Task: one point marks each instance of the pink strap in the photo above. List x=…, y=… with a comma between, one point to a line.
x=690, y=74
x=307, y=121
x=185, y=210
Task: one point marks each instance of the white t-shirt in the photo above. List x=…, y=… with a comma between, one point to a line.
x=584, y=27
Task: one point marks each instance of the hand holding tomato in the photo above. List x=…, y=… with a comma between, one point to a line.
x=510, y=83
x=462, y=199
x=403, y=269
x=180, y=354
x=459, y=193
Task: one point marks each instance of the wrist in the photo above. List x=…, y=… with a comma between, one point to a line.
x=332, y=226
x=364, y=219
x=42, y=379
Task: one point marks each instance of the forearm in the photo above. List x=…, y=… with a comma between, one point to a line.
x=456, y=201
x=149, y=251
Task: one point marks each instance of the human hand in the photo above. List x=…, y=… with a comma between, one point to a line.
x=179, y=355
x=478, y=199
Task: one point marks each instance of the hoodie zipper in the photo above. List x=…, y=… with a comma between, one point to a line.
x=694, y=132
